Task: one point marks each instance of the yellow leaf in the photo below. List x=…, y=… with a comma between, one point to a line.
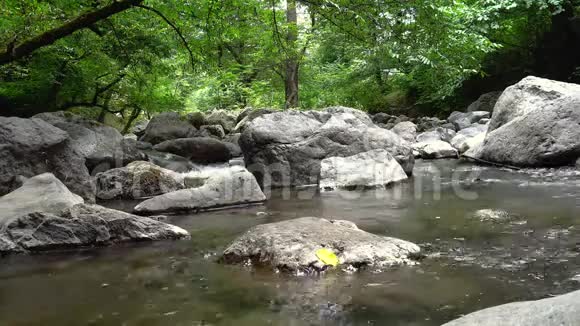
x=327, y=257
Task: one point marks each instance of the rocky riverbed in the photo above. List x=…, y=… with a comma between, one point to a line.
x=503, y=246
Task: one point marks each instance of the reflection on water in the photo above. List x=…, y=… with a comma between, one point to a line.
x=473, y=263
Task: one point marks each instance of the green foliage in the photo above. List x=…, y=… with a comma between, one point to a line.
x=377, y=55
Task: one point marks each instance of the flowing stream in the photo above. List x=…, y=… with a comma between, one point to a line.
x=528, y=247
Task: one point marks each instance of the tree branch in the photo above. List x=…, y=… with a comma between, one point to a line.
x=158, y=13
x=85, y=20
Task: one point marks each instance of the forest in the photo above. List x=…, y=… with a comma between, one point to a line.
x=134, y=58
x=290, y=162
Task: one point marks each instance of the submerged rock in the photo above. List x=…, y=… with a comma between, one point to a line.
x=216, y=189
x=137, y=180
x=563, y=310
x=29, y=147
x=198, y=149
x=292, y=154
x=292, y=245
x=375, y=168
x=535, y=123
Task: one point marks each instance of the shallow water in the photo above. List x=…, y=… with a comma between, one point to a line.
x=471, y=264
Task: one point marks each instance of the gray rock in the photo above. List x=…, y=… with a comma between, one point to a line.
x=376, y=168
x=196, y=119
x=578, y=164
x=198, y=149
x=469, y=137
x=42, y=193
x=535, y=123
x=485, y=102
x=137, y=180
x=83, y=225
x=291, y=246
x=291, y=155
x=139, y=128
x=248, y=116
x=29, y=147
x=428, y=123
x=222, y=188
x=216, y=131
x=383, y=118
x=102, y=146
x=222, y=117
x=170, y=161
x=492, y=215
x=167, y=126
x=435, y=149
x=463, y=120
x=443, y=134
x=562, y=310
x=406, y=130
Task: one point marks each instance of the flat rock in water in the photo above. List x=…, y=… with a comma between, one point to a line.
x=215, y=189
x=292, y=246
x=375, y=168
x=83, y=225
x=42, y=193
x=563, y=310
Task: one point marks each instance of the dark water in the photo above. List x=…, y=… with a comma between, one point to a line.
x=472, y=263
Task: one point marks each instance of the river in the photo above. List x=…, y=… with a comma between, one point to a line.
x=531, y=251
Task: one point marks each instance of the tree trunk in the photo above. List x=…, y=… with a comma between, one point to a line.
x=134, y=115
x=291, y=78
x=15, y=52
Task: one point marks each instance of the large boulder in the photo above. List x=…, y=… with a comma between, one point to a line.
x=41, y=193
x=485, y=102
x=43, y=215
x=29, y=147
x=376, y=168
x=406, y=130
x=292, y=246
x=167, y=126
x=137, y=180
x=222, y=117
x=209, y=190
x=563, y=310
x=81, y=226
x=102, y=146
x=248, y=116
x=535, y=123
x=286, y=148
x=139, y=128
x=198, y=149
x=435, y=149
